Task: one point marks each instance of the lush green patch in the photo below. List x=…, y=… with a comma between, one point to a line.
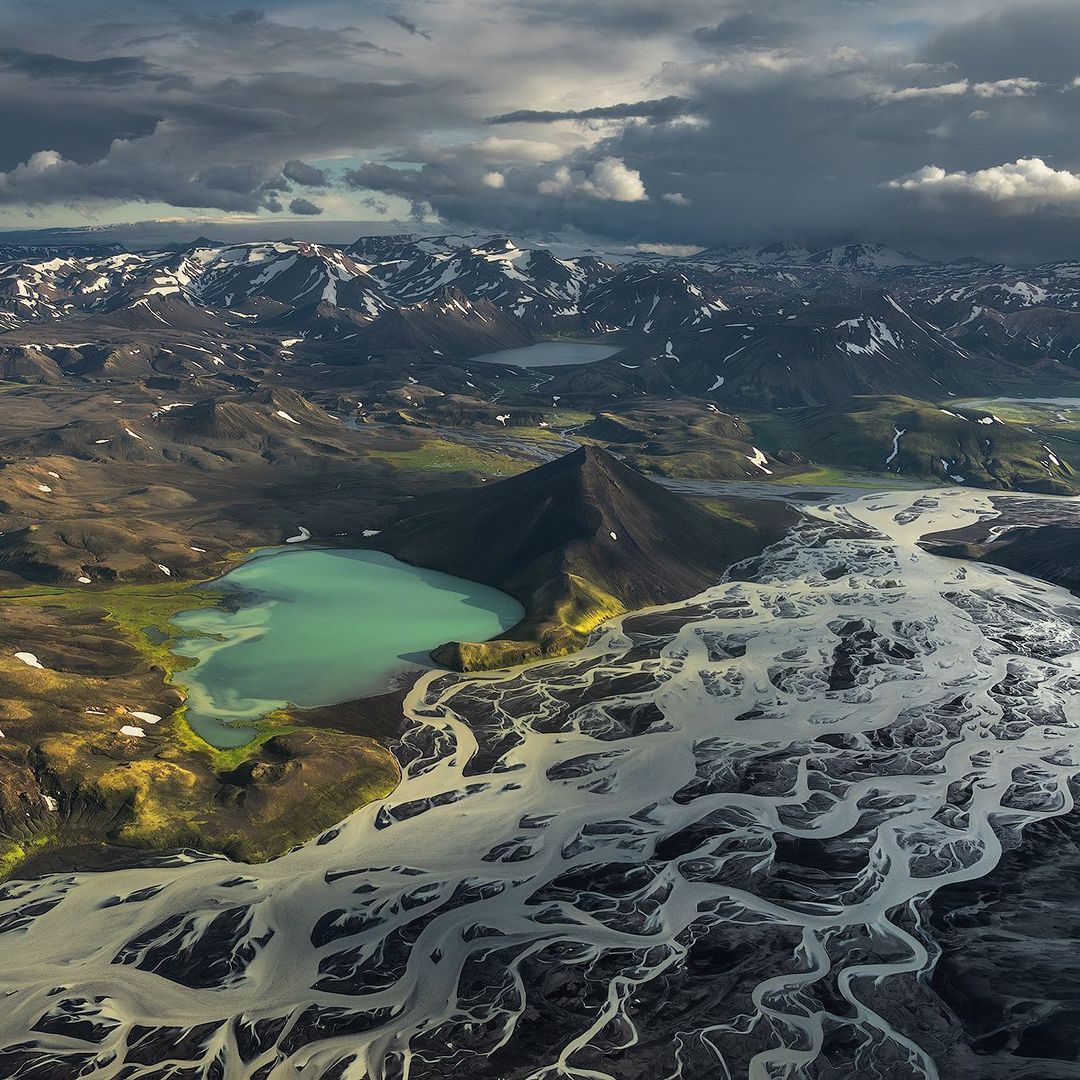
x=915, y=439
x=133, y=608
x=447, y=456
x=169, y=788
x=572, y=608
x=224, y=759
x=15, y=852
x=729, y=511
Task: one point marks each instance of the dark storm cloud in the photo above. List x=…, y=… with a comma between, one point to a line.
x=376, y=205
x=409, y=183
x=237, y=179
x=408, y=25
x=302, y=173
x=245, y=37
x=276, y=183
x=625, y=18
x=82, y=130
x=305, y=207
x=229, y=106
x=245, y=17
x=800, y=142
x=108, y=71
x=1040, y=40
x=746, y=27
x=656, y=109
x=694, y=121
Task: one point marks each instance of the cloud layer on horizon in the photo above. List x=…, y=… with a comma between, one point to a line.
x=942, y=128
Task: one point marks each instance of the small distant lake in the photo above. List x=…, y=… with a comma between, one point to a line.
x=548, y=354
x=312, y=627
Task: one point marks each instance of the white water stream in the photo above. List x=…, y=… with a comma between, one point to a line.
x=647, y=860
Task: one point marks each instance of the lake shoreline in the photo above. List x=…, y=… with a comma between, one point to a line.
x=550, y=354
x=355, y=620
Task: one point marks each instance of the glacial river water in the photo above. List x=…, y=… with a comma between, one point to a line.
x=698, y=849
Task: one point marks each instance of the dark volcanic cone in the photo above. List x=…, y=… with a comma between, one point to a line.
x=577, y=540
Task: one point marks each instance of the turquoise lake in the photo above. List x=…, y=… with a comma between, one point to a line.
x=314, y=627
x=549, y=354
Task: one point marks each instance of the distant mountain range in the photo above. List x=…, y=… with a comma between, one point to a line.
x=397, y=292
x=392, y=326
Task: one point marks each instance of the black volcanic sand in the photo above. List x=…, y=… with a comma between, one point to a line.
x=84, y=858
x=1003, y=999
x=1010, y=963
x=1036, y=537
x=378, y=717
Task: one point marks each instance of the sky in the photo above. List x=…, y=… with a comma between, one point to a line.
x=945, y=128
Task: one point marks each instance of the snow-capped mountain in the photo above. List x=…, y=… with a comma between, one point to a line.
x=869, y=257
x=374, y=276
x=783, y=322
x=652, y=300
x=296, y=275
x=533, y=284
x=806, y=354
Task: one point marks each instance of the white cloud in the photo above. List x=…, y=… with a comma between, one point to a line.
x=677, y=198
x=495, y=150
x=670, y=249
x=493, y=180
x=1019, y=86
x=1025, y=183
x=739, y=67
x=33, y=169
x=1016, y=87
x=910, y=93
x=42, y=160
x=561, y=183
x=611, y=180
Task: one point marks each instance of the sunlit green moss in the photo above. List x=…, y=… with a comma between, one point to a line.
x=225, y=759
x=133, y=608
x=858, y=436
x=15, y=852
x=446, y=456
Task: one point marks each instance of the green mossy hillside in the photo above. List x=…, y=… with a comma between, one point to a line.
x=70, y=777
x=943, y=443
